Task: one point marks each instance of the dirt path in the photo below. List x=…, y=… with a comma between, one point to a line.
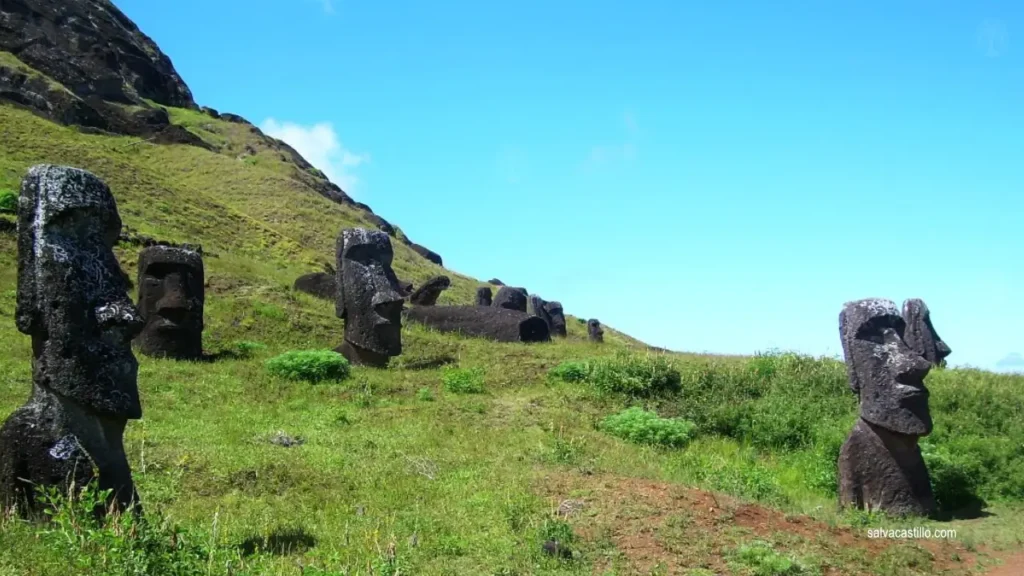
x=1013, y=565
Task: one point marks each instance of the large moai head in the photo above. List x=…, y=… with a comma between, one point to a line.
x=369, y=298
x=171, y=298
x=72, y=294
x=594, y=331
x=884, y=372
x=511, y=298
x=537, y=307
x=484, y=296
x=920, y=334
x=557, y=318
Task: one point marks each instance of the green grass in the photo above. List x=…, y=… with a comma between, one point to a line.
x=310, y=365
x=397, y=473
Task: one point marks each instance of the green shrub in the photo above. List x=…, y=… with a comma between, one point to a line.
x=642, y=427
x=309, y=365
x=570, y=371
x=246, y=348
x=634, y=375
x=463, y=380
x=425, y=395
x=763, y=560
x=8, y=202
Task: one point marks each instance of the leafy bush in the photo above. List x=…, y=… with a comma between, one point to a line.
x=309, y=365
x=8, y=202
x=623, y=374
x=463, y=380
x=763, y=560
x=425, y=395
x=246, y=348
x=570, y=371
x=642, y=427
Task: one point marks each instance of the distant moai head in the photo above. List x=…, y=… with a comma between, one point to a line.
x=920, y=334
x=430, y=291
x=72, y=294
x=594, y=331
x=537, y=307
x=557, y=318
x=171, y=298
x=511, y=298
x=884, y=372
x=483, y=296
x=369, y=298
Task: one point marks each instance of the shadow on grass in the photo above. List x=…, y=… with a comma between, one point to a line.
x=971, y=511
x=280, y=542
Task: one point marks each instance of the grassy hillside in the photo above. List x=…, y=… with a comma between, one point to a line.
x=400, y=474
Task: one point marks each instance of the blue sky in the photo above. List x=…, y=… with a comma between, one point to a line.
x=706, y=176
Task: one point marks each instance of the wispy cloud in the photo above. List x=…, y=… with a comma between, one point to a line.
x=606, y=155
x=993, y=38
x=320, y=146
x=1014, y=360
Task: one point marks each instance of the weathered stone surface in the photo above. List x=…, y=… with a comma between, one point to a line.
x=492, y=323
x=484, y=296
x=594, y=331
x=428, y=293
x=171, y=301
x=427, y=253
x=537, y=307
x=557, y=316
x=318, y=284
x=406, y=288
x=381, y=224
x=880, y=465
x=369, y=298
x=510, y=298
x=72, y=300
x=920, y=335
x=91, y=48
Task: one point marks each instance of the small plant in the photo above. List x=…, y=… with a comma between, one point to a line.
x=309, y=365
x=463, y=380
x=632, y=375
x=570, y=372
x=8, y=202
x=642, y=427
x=425, y=395
x=763, y=560
x=247, y=349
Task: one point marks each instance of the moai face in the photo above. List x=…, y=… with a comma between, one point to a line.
x=920, y=334
x=483, y=296
x=538, y=307
x=594, y=331
x=72, y=294
x=369, y=298
x=886, y=374
x=557, y=317
x=171, y=297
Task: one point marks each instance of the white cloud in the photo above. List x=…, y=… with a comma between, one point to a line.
x=993, y=38
x=320, y=146
x=604, y=155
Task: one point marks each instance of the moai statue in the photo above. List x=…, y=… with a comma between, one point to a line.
x=489, y=322
x=72, y=300
x=510, y=298
x=171, y=298
x=369, y=298
x=323, y=285
x=483, y=296
x=405, y=288
x=594, y=331
x=921, y=335
x=557, y=318
x=430, y=291
x=538, y=308
x=880, y=465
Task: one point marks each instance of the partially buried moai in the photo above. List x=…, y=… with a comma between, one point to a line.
x=430, y=291
x=556, y=318
x=483, y=296
x=72, y=300
x=537, y=307
x=880, y=465
x=369, y=298
x=510, y=298
x=171, y=298
x=921, y=335
x=594, y=331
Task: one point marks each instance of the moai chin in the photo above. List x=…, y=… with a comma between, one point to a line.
x=920, y=335
x=880, y=465
x=369, y=298
x=556, y=318
x=72, y=300
x=171, y=299
x=594, y=331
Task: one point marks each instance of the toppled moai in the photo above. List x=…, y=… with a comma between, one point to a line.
x=510, y=298
x=321, y=285
x=430, y=291
x=594, y=331
x=369, y=298
x=427, y=253
x=171, y=298
x=495, y=282
x=880, y=465
x=490, y=322
x=557, y=318
x=72, y=299
x=484, y=296
x=537, y=308
x=921, y=335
